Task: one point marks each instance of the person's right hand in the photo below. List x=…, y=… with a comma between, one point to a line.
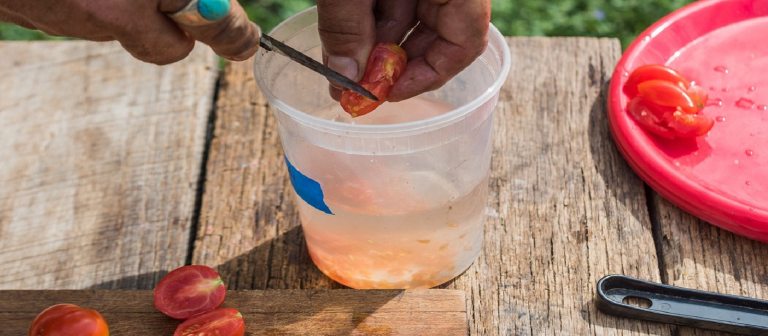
x=450, y=35
x=142, y=27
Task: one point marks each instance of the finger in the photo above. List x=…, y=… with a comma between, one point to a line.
x=6, y=16
x=234, y=37
x=393, y=19
x=449, y=48
x=347, y=32
x=154, y=38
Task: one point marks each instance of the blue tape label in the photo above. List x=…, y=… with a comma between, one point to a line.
x=307, y=188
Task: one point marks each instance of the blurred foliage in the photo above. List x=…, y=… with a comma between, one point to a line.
x=624, y=19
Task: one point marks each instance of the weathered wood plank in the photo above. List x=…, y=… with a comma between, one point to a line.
x=698, y=255
x=565, y=208
x=283, y=312
x=101, y=160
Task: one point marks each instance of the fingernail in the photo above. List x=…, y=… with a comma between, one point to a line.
x=343, y=65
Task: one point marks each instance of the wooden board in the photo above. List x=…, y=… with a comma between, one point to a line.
x=101, y=161
x=701, y=256
x=565, y=209
x=289, y=312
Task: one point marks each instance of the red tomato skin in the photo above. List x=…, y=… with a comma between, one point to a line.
x=68, y=320
x=386, y=63
x=189, y=290
x=664, y=93
x=650, y=72
x=219, y=322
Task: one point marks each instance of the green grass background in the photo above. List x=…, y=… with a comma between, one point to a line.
x=624, y=19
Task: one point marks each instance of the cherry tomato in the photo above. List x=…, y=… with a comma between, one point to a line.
x=650, y=120
x=690, y=125
x=664, y=93
x=650, y=72
x=189, y=290
x=68, y=320
x=698, y=96
x=386, y=63
x=220, y=322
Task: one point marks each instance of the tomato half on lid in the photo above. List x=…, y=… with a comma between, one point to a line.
x=220, y=322
x=188, y=291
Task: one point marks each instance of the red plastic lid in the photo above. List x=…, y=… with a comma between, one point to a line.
x=722, y=177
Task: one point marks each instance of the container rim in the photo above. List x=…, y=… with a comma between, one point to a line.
x=419, y=125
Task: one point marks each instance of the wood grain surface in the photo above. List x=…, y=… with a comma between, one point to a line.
x=564, y=206
x=101, y=160
x=279, y=312
x=699, y=255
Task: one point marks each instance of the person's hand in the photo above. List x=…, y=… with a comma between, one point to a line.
x=141, y=26
x=450, y=35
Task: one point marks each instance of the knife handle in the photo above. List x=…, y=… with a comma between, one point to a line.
x=682, y=306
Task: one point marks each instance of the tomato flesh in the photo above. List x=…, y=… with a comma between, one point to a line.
x=188, y=291
x=666, y=104
x=68, y=320
x=386, y=63
x=220, y=322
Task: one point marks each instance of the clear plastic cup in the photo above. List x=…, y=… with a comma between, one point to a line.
x=395, y=198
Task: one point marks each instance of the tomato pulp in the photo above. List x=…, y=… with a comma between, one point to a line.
x=386, y=63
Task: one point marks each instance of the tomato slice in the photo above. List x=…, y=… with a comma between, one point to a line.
x=68, y=320
x=653, y=72
x=188, y=291
x=386, y=63
x=220, y=322
x=648, y=119
x=664, y=93
x=690, y=125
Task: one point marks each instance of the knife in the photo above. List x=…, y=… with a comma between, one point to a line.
x=270, y=44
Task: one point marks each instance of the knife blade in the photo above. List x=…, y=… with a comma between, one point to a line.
x=271, y=44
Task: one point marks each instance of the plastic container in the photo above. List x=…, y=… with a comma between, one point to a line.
x=721, y=177
x=396, y=198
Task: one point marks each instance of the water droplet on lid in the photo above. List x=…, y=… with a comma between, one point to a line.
x=720, y=118
x=677, y=163
x=745, y=103
x=762, y=107
x=712, y=88
x=736, y=161
x=749, y=152
x=625, y=73
x=747, y=183
x=722, y=69
x=724, y=90
x=752, y=89
x=715, y=102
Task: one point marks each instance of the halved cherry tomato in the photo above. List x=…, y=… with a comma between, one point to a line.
x=650, y=120
x=68, y=320
x=220, y=322
x=698, y=96
x=650, y=72
x=188, y=291
x=666, y=104
x=690, y=125
x=664, y=93
x=385, y=64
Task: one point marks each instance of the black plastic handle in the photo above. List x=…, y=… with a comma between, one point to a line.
x=682, y=306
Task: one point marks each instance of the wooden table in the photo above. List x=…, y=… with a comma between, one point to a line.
x=114, y=172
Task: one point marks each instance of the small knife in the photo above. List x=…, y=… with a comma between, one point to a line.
x=270, y=44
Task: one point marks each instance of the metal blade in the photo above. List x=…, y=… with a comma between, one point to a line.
x=269, y=43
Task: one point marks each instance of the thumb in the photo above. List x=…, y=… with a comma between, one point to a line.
x=347, y=31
